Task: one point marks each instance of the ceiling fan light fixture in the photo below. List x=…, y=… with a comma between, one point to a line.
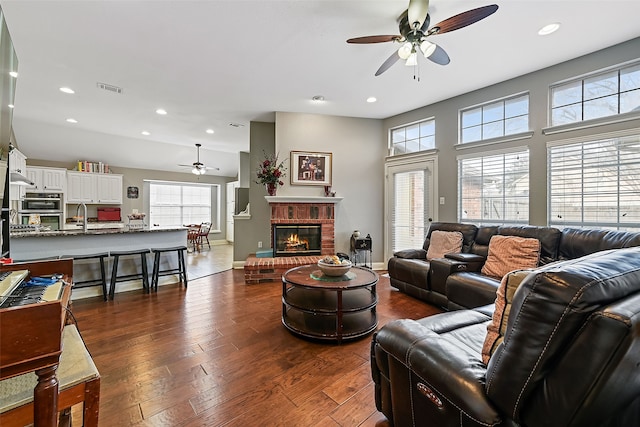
x=198, y=171
x=412, y=60
x=405, y=50
x=427, y=48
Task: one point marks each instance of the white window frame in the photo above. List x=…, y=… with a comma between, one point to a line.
x=596, y=121
x=482, y=220
x=391, y=145
x=615, y=140
x=214, y=206
x=502, y=121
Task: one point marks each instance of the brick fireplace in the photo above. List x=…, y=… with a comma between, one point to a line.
x=294, y=211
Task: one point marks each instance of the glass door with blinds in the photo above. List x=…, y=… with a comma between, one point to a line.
x=409, y=205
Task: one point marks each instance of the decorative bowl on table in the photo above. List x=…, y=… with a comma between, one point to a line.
x=333, y=266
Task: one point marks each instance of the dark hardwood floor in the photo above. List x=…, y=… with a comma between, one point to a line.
x=216, y=354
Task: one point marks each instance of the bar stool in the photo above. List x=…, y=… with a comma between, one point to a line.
x=114, y=272
x=102, y=280
x=181, y=270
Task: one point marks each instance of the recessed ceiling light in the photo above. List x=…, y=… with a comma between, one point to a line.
x=371, y=99
x=317, y=98
x=145, y=133
x=13, y=73
x=548, y=29
x=209, y=131
x=10, y=105
x=67, y=90
x=161, y=111
x=71, y=120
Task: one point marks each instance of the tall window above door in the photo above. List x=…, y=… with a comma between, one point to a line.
x=602, y=94
x=493, y=189
x=495, y=119
x=413, y=138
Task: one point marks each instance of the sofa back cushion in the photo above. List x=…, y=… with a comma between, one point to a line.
x=444, y=242
x=549, y=238
x=483, y=237
x=508, y=253
x=578, y=242
x=542, y=360
x=468, y=233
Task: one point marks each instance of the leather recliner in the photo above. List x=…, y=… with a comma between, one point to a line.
x=570, y=355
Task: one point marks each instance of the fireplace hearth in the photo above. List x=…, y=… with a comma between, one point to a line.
x=297, y=239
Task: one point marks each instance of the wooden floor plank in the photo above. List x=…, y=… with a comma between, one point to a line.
x=217, y=354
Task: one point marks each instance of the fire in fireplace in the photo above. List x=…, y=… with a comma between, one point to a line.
x=296, y=239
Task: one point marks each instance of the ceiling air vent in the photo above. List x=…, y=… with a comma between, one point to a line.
x=236, y=125
x=108, y=87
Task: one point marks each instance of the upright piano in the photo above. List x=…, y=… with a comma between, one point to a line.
x=31, y=335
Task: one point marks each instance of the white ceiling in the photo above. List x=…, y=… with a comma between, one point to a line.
x=215, y=62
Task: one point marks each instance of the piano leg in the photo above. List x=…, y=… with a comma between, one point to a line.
x=45, y=398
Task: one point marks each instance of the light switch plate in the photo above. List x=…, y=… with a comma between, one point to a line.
x=442, y=200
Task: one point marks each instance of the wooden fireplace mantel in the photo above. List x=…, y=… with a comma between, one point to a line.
x=302, y=199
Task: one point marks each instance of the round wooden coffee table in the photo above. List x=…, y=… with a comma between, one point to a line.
x=329, y=308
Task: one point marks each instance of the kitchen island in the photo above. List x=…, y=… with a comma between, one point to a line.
x=52, y=244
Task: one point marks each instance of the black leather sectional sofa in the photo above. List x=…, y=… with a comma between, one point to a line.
x=455, y=282
x=570, y=354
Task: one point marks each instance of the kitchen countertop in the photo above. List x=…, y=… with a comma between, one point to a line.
x=94, y=232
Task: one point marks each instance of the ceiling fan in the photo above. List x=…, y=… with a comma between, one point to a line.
x=414, y=31
x=199, y=168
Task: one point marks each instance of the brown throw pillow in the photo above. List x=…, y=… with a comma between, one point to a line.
x=504, y=296
x=444, y=242
x=508, y=253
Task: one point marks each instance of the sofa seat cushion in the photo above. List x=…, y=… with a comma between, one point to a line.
x=443, y=243
x=508, y=253
x=469, y=289
x=411, y=271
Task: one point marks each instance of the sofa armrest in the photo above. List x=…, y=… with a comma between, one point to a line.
x=411, y=254
x=446, y=378
x=441, y=268
x=466, y=257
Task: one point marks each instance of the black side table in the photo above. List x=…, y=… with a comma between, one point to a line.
x=361, y=251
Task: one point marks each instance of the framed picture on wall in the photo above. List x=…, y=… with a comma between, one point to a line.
x=310, y=168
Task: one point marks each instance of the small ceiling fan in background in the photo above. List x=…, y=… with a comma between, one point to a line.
x=198, y=168
x=414, y=31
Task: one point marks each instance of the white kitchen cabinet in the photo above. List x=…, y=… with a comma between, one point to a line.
x=18, y=164
x=109, y=188
x=47, y=180
x=84, y=187
x=17, y=161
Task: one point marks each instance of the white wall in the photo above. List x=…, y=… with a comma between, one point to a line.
x=359, y=147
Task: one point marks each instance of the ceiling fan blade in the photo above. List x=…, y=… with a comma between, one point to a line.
x=417, y=12
x=463, y=19
x=373, y=39
x=388, y=63
x=439, y=56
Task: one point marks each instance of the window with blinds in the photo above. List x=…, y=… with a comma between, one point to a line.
x=409, y=213
x=175, y=204
x=413, y=138
x=595, y=184
x=599, y=95
x=494, y=189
